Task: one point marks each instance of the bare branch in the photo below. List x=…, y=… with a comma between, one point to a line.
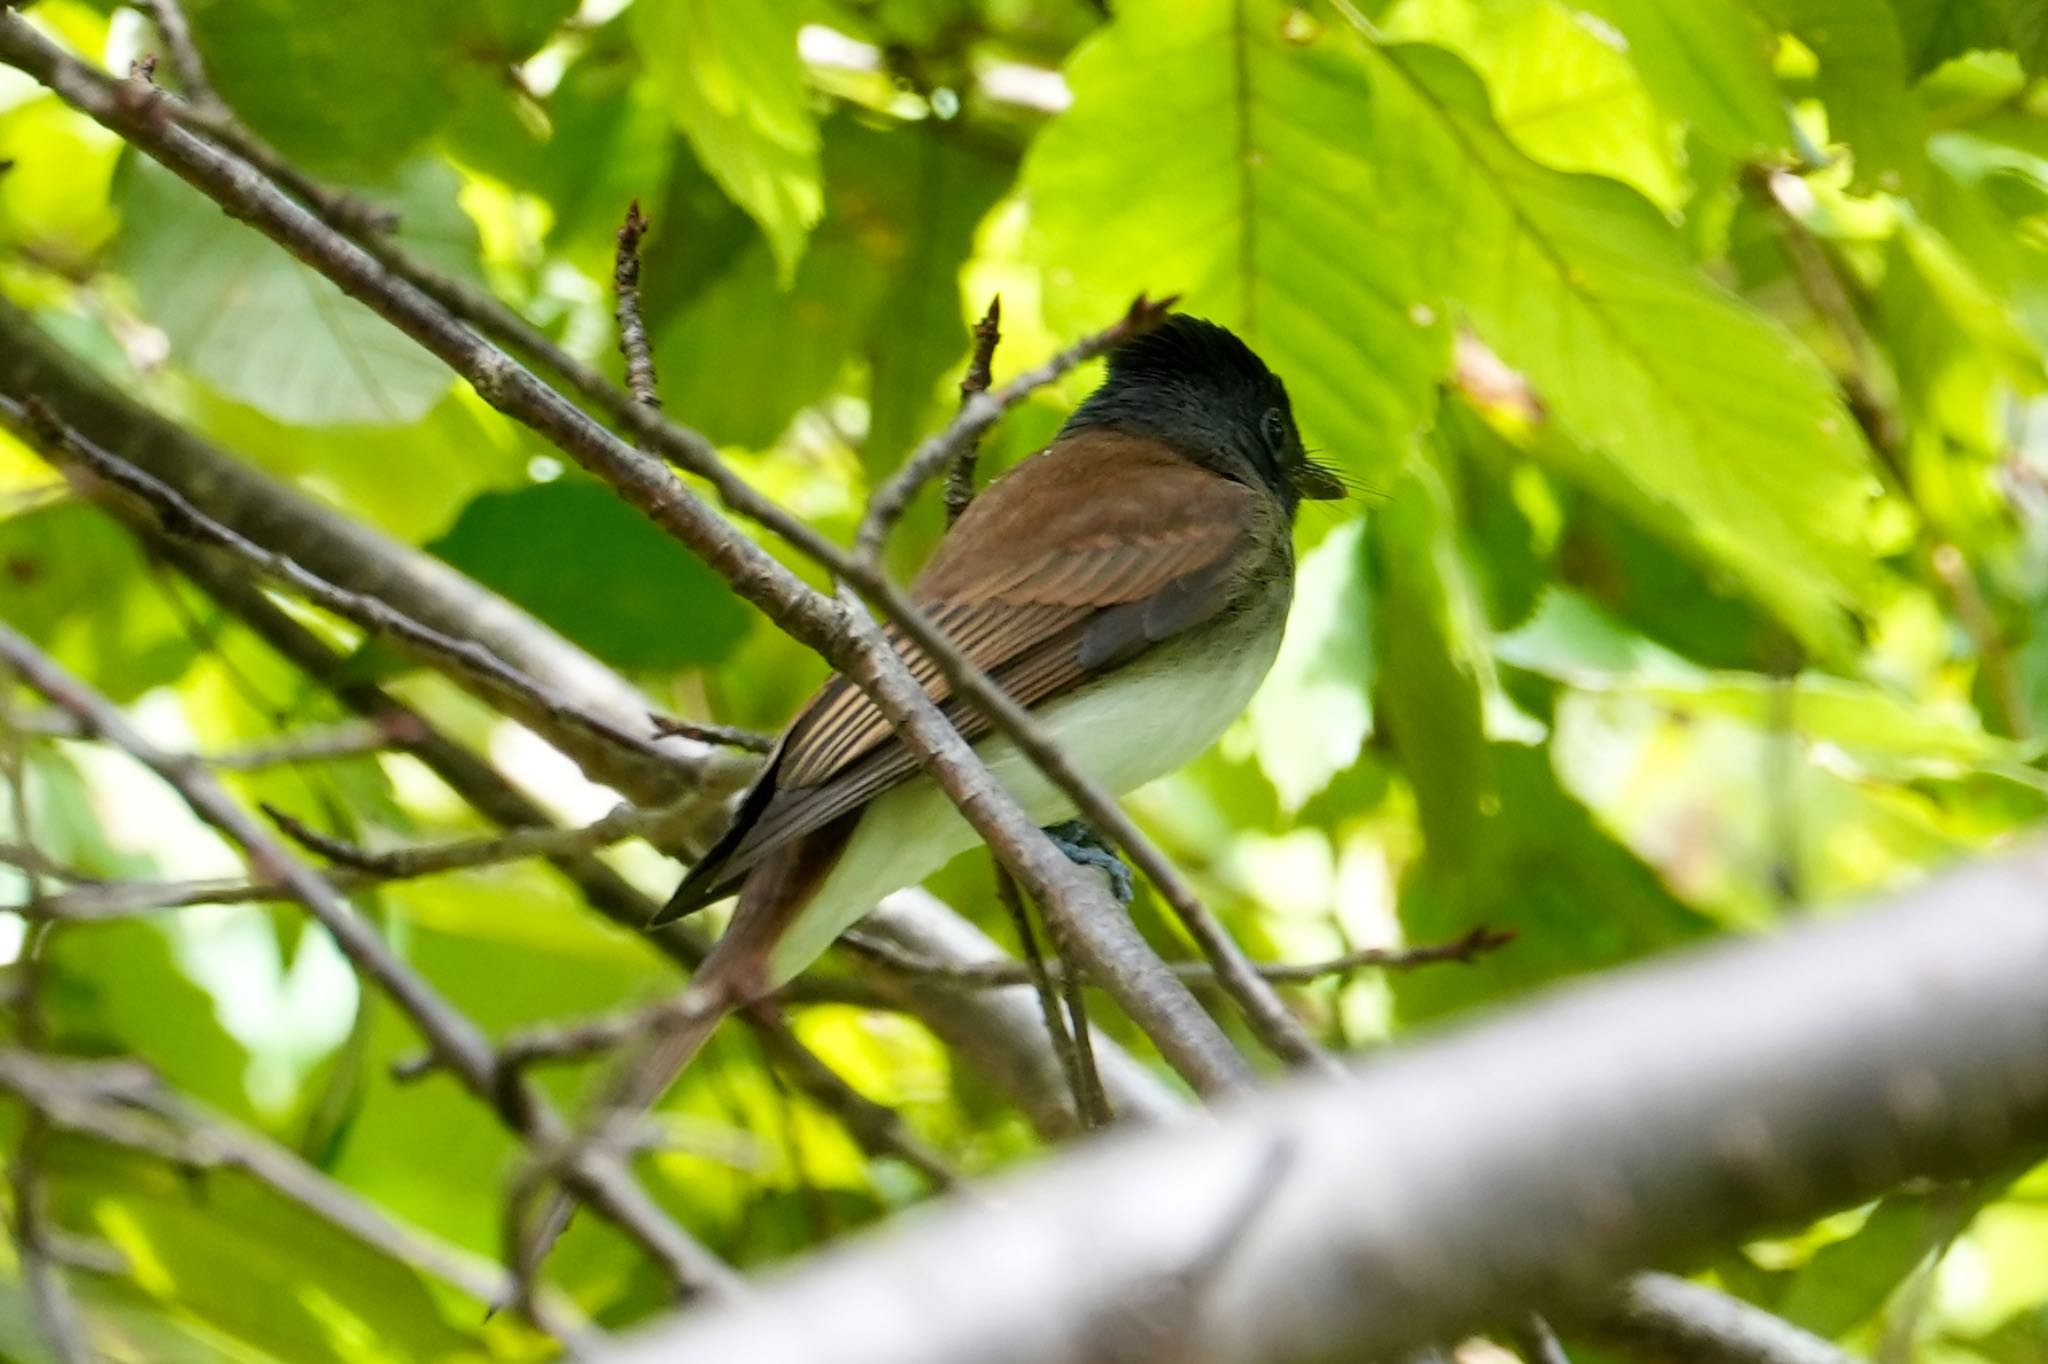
x=877, y=1128
x=176, y=31
x=1651, y=1123
x=1659, y=1316
x=372, y=734
x=1464, y=949
x=353, y=555
x=960, y=475
x=178, y=517
x=704, y=732
x=1088, y=1100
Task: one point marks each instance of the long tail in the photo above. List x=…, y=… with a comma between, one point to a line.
x=637, y=1087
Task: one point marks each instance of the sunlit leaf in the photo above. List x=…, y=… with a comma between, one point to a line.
x=1315, y=708
x=1232, y=154
x=1690, y=408
x=1709, y=61
x=266, y=330
x=734, y=86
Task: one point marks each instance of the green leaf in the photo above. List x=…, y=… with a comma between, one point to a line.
x=1865, y=84
x=598, y=571
x=921, y=336
x=1887, y=735
x=72, y=580
x=409, y=481
x=116, y=990
x=1231, y=153
x=1563, y=87
x=1315, y=708
x=1847, y=1282
x=601, y=141
x=267, y=331
x=1701, y=416
x=1538, y=865
x=735, y=87
x=1434, y=677
x=354, y=89
x=54, y=197
x=880, y=280
x=1708, y=61
x=226, y=1250
x=1936, y=30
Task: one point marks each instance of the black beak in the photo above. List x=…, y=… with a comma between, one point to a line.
x=1316, y=483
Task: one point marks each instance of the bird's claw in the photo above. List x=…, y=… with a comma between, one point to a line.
x=1085, y=847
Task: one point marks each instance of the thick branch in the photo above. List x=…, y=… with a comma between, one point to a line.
x=1654, y=1118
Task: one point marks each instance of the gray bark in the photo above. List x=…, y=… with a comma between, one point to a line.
x=1528, y=1161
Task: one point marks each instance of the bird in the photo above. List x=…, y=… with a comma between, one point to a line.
x=1128, y=585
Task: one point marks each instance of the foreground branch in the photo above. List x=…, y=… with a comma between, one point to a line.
x=1653, y=1119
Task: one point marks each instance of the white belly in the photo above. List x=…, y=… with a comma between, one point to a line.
x=1149, y=719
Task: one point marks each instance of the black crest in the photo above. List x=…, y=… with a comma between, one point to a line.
x=1195, y=385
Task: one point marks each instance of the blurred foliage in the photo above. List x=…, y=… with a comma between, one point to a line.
x=1691, y=357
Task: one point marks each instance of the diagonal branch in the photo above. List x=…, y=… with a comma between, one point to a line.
x=70, y=449
x=1154, y=999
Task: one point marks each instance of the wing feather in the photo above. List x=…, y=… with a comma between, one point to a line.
x=1076, y=561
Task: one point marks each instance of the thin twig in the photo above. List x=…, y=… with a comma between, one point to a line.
x=704, y=732
x=633, y=342
x=960, y=475
x=352, y=739
x=176, y=30
x=462, y=1048
x=1536, y=1343
x=591, y=1037
x=360, y=868
x=1464, y=949
x=179, y=518
x=624, y=822
x=1048, y=1001
x=979, y=412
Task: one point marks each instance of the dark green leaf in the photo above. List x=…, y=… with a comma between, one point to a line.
x=599, y=572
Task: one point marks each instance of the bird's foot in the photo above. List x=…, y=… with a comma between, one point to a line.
x=1087, y=848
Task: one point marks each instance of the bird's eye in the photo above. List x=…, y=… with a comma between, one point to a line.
x=1274, y=428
